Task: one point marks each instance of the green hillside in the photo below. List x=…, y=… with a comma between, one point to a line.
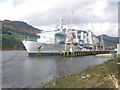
x=110, y=42
x=11, y=39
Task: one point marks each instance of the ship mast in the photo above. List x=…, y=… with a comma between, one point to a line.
x=94, y=41
x=71, y=20
x=69, y=38
x=61, y=24
x=102, y=41
x=92, y=37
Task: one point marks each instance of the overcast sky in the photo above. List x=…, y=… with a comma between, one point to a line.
x=45, y=14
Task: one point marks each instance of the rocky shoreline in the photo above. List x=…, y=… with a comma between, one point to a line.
x=101, y=76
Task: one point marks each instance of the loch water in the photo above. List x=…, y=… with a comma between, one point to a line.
x=21, y=71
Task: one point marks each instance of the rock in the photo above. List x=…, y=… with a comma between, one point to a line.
x=54, y=84
x=83, y=77
x=91, y=69
x=46, y=86
x=83, y=74
x=118, y=63
x=76, y=76
x=88, y=75
x=70, y=74
x=98, y=75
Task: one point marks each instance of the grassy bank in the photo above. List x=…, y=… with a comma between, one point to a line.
x=101, y=76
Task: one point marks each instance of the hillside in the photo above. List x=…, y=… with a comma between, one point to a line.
x=20, y=26
x=109, y=41
x=13, y=32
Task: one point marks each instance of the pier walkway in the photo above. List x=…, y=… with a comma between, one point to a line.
x=84, y=53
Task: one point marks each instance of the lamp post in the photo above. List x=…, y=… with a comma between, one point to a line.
x=118, y=45
x=119, y=36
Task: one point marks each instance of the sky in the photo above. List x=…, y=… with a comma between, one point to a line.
x=100, y=16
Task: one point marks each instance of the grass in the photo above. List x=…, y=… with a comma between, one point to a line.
x=118, y=56
x=101, y=76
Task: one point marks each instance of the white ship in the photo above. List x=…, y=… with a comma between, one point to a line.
x=52, y=42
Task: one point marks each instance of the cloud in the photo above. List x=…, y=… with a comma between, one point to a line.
x=46, y=13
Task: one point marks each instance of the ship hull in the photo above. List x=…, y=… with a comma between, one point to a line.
x=35, y=48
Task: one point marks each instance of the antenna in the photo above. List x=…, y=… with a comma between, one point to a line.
x=102, y=41
x=92, y=27
x=92, y=36
x=119, y=36
x=61, y=24
x=94, y=41
x=71, y=19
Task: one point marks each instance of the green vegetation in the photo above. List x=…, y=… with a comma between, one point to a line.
x=101, y=76
x=11, y=39
x=118, y=56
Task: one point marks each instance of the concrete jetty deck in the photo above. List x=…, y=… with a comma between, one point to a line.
x=84, y=53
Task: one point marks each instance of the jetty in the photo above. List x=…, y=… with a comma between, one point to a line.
x=84, y=53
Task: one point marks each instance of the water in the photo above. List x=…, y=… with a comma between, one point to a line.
x=20, y=71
